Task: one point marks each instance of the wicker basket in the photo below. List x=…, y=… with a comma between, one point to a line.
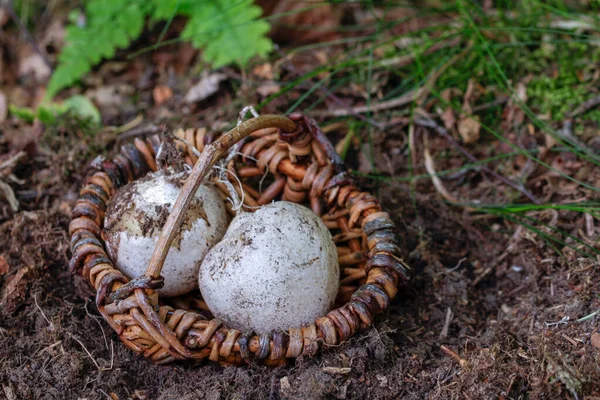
x=302, y=167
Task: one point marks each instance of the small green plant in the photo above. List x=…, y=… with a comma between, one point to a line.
x=49, y=112
x=228, y=31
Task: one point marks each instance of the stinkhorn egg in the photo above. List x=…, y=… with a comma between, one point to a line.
x=274, y=269
x=136, y=215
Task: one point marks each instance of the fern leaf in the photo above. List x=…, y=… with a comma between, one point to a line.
x=165, y=9
x=110, y=25
x=229, y=31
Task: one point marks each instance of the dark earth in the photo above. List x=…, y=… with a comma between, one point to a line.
x=492, y=312
x=480, y=319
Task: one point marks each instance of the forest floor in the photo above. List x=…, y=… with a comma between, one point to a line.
x=485, y=154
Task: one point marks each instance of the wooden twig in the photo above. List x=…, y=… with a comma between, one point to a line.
x=461, y=361
x=435, y=179
x=211, y=154
x=429, y=123
x=566, y=134
x=586, y=106
x=406, y=98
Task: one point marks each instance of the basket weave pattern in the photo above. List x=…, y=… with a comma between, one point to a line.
x=303, y=168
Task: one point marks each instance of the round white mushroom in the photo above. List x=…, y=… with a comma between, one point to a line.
x=136, y=215
x=274, y=269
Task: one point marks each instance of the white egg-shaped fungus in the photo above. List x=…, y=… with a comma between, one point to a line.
x=274, y=269
x=135, y=217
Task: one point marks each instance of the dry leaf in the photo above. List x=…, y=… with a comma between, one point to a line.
x=9, y=195
x=284, y=384
x=208, y=85
x=337, y=370
x=34, y=65
x=268, y=88
x=161, y=93
x=596, y=340
x=110, y=95
x=469, y=128
x=364, y=164
x=4, y=267
x=294, y=16
x=448, y=118
x=14, y=290
x=264, y=71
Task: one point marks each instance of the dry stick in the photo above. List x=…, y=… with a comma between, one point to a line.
x=586, y=106
x=406, y=98
x=435, y=179
x=429, y=123
x=211, y=154
x=461, y=361
x=566, y=134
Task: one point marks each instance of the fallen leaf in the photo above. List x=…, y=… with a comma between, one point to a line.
x=9, y=195
x=364, y=164
x=264, y=71
x=161, y=93
x=383, y=380
x=8, y=390
x=596, y=340
x=284, y=384
x=54, y=36
x=208, y=85
x=14, y=290
x=337, y=370
x=65, y=208
x=34, y=65
x=110, y=95
x=469, y=128
x=448, y=118
x=294, y=16
x=268, y=88
x=4, y=267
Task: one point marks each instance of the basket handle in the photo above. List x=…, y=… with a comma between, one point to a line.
x=211, y=154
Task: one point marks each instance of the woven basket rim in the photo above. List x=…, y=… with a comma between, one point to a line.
x=164, y=333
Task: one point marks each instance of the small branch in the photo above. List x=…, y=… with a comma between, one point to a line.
x=429, y=123
x=586, y=106
x=566, y=134
x=437, y=182
x=461, y=361
x=211, y=154
x=406, y=98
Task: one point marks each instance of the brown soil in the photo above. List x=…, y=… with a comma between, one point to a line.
x=491, y=312
x=491, y=297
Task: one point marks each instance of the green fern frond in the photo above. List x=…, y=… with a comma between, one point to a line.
x=229, y=31
x=110, y=25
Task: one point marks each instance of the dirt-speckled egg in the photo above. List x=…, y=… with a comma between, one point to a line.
x=274, y=269
x=136, y=216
